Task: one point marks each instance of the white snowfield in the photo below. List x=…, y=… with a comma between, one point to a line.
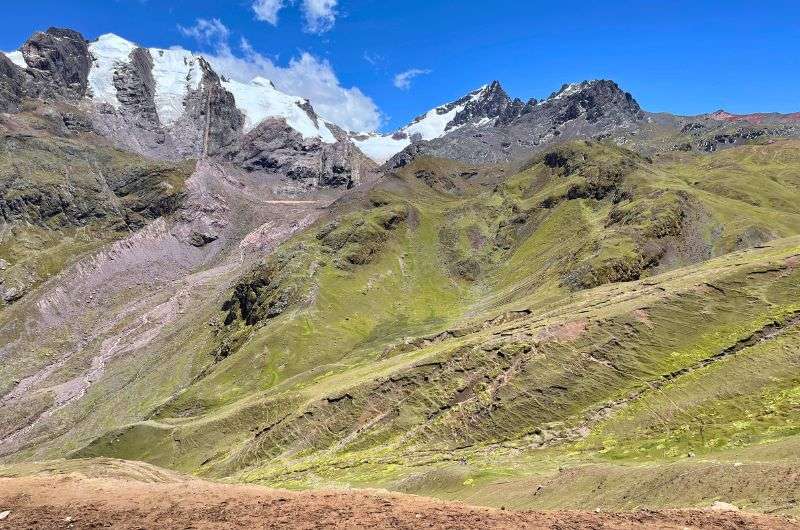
x=177, y=72
x=109, y=52
x=380, y=148
x=259, y=100
x=16, y=58
x=432, y=125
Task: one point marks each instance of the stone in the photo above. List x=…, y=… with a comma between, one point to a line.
x=276, y=148
x=198, y=239
x=724, y=507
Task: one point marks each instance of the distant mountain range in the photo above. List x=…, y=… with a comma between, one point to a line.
x=169, y=102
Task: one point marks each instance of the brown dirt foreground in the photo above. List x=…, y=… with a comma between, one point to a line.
x=74, y=501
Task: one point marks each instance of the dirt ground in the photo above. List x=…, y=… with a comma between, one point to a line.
x=73, y=501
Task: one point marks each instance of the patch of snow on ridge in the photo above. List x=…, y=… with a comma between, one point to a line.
x=108, y=52
x=16, y=58
x=381, y=148
x=569, y=90
x=434, y=123
x=175, y=72
x=259, y=100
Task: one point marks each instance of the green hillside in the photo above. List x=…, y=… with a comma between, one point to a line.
x=591, y=320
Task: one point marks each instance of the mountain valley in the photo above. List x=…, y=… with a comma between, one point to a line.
x=561, y=304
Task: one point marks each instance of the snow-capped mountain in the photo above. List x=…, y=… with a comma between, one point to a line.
x=589, y=109
x=485, y=106
x=177, y=72
x=171, y=104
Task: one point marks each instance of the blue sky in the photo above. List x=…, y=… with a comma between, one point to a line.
x=685, y=57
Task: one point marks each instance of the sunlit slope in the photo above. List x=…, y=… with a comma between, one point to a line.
x=572, y=310
x=64, y=193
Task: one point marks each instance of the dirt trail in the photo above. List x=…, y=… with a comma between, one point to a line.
x=74, y=501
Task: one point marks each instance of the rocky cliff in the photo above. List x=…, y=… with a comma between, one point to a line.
x=172, y=105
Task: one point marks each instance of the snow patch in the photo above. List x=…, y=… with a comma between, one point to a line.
x=381, y=148
x=175, y=72
x=109, y=51
x=570, y=89
x=259, y=100
x=16, y=58
x=434, y=123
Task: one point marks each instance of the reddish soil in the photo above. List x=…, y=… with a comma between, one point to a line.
x=77, y=502
x=566, y=332
x=755, y=118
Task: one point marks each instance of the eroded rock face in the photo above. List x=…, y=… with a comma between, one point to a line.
x=47, y=182
x=494, y=104
x=274, y=147
x=58, y=64
x=585, y=110
x=210, y=122
x=12, y=82
x=136, y=88
x=216, y=107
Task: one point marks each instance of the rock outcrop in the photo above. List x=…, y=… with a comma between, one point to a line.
x=513, y=129
x=214, y=109
x=58, y=64
x=136, y=89
x=494, y=105
x=12, y=85
x=274, y=147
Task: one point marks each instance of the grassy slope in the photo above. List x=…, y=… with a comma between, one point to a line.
x=535, y=358
x=64, y=194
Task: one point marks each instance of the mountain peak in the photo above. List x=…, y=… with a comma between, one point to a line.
x=113, y=38
x=493, y=88
x=590, y=85
x=595, y=98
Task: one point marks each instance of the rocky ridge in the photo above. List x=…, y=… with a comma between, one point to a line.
x=171, y=105
x=489, y=127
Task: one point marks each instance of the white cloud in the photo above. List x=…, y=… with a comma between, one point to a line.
x=207, y=31
x=305, y=76
x=403, y=79
x=373, y=58
x=320, y=15
x=267, y=10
